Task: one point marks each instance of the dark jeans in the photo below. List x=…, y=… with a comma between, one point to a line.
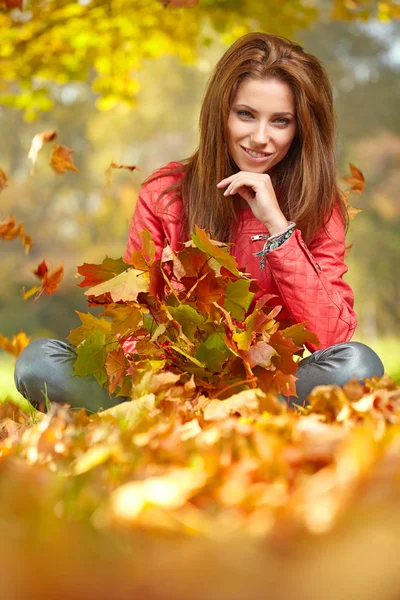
x=50, y=362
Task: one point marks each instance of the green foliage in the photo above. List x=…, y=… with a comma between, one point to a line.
x=190, y=314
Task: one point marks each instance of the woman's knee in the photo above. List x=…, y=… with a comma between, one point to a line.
x=357, y=360
x=40, y=362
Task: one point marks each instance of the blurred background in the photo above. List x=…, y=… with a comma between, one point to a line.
x=123, y=81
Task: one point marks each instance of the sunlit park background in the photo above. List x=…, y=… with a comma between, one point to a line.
x=123, y=81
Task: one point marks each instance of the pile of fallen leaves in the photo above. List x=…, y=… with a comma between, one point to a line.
x=169, y=478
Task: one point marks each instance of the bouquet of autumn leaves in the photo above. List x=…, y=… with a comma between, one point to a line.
x=190, y=317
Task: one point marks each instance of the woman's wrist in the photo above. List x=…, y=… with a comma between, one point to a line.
x=277, y=225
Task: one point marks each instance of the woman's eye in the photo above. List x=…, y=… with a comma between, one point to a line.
x=282, y=121
x=244, y=113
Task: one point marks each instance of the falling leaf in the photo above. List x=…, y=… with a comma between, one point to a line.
x=113, y=165
x=61, y=160
x=37, y=144
x=9, y=230
x=14, y=345
x=50, y=281
x=3, y=180
x=355, y=180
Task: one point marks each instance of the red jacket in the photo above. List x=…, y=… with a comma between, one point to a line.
x=307, y=281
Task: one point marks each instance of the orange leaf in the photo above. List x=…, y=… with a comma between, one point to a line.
x=351, y=210
x=356, y=179
x=3, y=180
x=61, y=160
x=14, y=345
x=115, y=365
x=9, y=230
x=50, y=281
x=114, y=165
x=37, y=144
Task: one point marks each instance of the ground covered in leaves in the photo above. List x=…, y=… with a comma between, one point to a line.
x=182, y=496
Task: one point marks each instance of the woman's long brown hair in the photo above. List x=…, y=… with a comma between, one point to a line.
x=305, y=180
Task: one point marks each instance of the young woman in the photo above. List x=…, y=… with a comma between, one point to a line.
x=263, y=177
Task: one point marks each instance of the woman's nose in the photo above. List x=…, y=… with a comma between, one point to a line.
x=260, y=135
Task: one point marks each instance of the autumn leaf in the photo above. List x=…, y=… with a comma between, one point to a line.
x=188, y=318
x=14, y=345
x=9, y=230
x=300, y=335
x=94, y=274
x=125, y=319
x=143, y=258
x=244, y=403
x=355, y=180
x=113, y=165
x=126, y=286
x=115, y=365
x=214, y=249
x=91, y=356
x=260, y=354
x=89, y=324
x=351, y=210
x=37, y=144
x=50, y=281
x=3, y=180
x=61, y=160
x=238, y=298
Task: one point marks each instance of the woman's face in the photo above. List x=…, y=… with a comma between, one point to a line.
x=261, y=124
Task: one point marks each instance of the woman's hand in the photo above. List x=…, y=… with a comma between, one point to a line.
x=258, y=191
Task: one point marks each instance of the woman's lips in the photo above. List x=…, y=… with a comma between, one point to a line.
x=258, y=159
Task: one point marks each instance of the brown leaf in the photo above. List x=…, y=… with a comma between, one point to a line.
x=355, y=180
x=113, y=165
x=61, y=160
x=3, y=180
x=37, y=144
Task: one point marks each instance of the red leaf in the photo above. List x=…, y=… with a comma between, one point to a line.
x=41, y=270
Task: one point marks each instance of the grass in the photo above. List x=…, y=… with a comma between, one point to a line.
x=387, y=348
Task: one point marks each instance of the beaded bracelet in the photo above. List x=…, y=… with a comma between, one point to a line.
x=274, y=242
